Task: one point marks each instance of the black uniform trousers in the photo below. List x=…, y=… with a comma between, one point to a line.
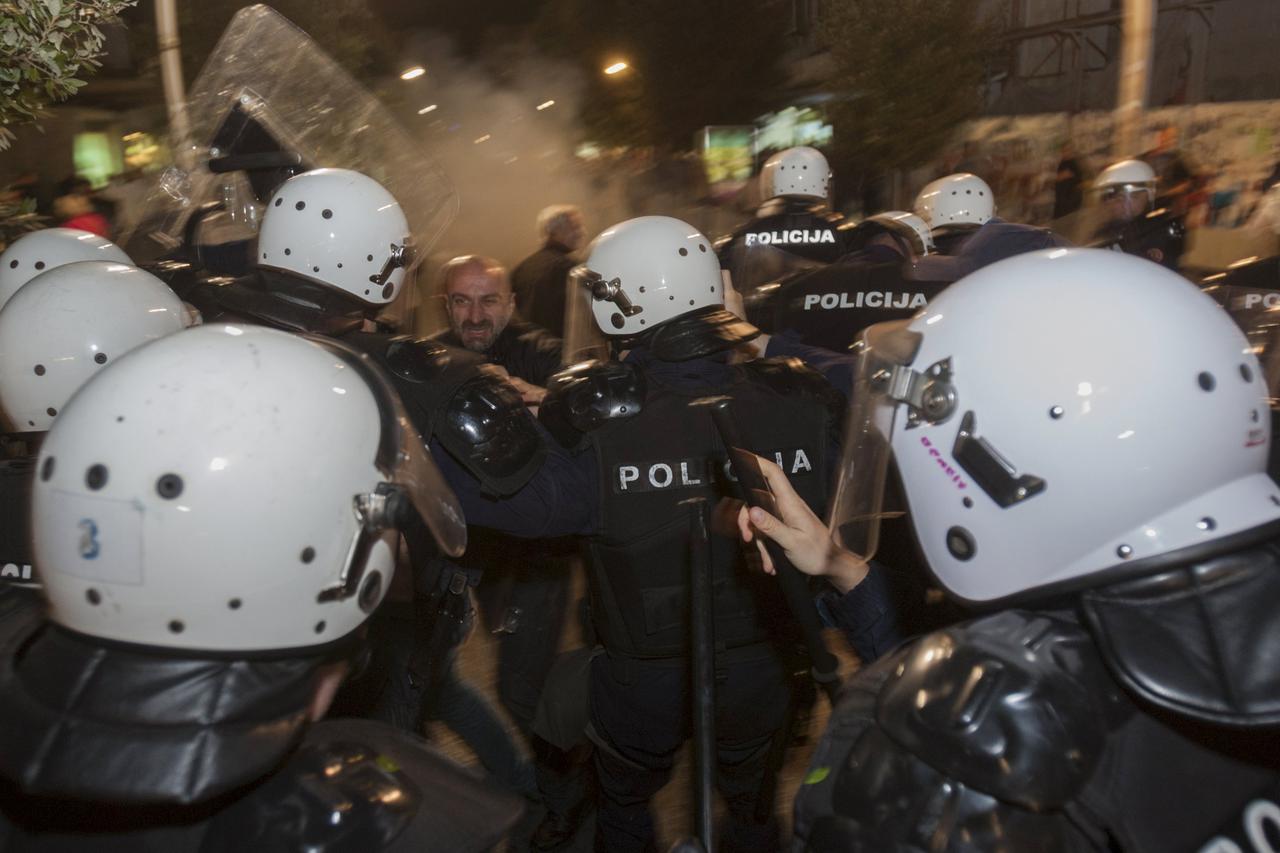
x=641, y=715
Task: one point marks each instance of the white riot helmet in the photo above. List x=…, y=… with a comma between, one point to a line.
x=801, y=171
x=961, y=200
x=66, y=324
x=645, y=271
x=907, y=226
x=231, y=489
x=341, y=229
x=39, y=251
x=1130, y=177
x=1033, y=463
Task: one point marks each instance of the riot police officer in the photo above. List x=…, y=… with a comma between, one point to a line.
x=208, y=583
x=56, y=332
x=961, y=213
x=1115, y=515
x=635, y=450
x=793, y=230
x=830, y=306
x=1131, y=222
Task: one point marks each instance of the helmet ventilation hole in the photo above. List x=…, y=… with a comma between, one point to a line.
x=1206, y=524
x=288, y=251
x=1206, y=380
x=1245, y=373
x=368, y=257
x=327, y=213
x=320, y=627
x=96, y=477
x=1056, y=412
x=234, y=604
x=279, y=202
x=308, y=554
x=300, y=205
x=51, y=412
x=968, y=503
x=169, y=486
x=46, y=468
x=39, y=265
x=960, y=544
x=93, y=596
x=100, y=358
x=13, y=265
x=39, y=370
x=683, y=252
x=176, y=626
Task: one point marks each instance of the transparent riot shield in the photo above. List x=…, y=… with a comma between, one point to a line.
x=269, y=103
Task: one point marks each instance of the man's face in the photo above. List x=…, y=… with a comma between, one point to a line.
x=480, y=305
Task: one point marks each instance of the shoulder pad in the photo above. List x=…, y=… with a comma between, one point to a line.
x=1014, y=705
x=865, y=791
x=790, y=376
x=423, y=360
x=582, y=398
x=487, y=428
x=361, y=785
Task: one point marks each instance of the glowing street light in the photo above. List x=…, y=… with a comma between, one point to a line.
x=484, y=138
x=411, y=73
x=428, y=108
x=542, y=106
x=616, y=67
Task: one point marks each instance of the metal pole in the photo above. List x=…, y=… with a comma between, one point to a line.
x=1135, y=76
x=171, y=76
x=702, y=635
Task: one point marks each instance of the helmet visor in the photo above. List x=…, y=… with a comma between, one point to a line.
x=406, y=461
x=583, y=339
x=888, y=394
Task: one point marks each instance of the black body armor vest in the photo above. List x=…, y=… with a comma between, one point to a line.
x=16, y=559
x=668, y=453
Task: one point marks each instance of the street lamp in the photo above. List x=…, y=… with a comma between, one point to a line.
x=616, y=67
x=411, y=73
x=545, y=104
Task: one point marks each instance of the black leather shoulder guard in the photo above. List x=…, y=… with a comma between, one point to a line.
x=1016, y=705
x=451, y=395
x=487, y=427
x=915, y=755
x=424, y=360
x=582, y=398
x=791, y=377
x=362, y=785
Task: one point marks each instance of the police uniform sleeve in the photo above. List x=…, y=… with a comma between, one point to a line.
x=837, y=368
x=978, y=737
x=865, y=614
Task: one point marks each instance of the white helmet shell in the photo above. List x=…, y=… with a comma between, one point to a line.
x=648, y=270
x=800, y=171
x=1128, y=176
x=205, y=493
x=958, y=200
x=341, y=229
x=910, y=227
x=66, y=324
x=1151, y=439
x=40, y=251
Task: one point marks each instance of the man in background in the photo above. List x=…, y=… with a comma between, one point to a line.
x=539, y=280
